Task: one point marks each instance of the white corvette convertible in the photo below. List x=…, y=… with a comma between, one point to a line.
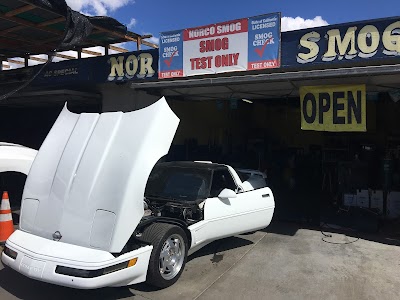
x=96, y=212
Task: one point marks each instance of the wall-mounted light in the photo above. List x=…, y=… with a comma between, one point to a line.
x=247, y=100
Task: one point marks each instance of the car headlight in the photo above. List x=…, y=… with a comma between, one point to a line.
x=10, y=253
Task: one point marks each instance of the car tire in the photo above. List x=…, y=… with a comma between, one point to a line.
x=169, y=255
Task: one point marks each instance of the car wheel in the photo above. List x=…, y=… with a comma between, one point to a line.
x=168, y=258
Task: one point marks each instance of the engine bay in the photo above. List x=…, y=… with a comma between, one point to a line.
x=189, y=211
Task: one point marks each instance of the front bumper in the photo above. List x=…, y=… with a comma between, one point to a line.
x=38, y=258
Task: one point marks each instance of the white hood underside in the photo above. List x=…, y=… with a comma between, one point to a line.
x=89, y=176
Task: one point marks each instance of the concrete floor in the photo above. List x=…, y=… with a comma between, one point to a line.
x=282, y=262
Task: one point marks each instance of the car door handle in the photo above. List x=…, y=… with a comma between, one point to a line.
x=265, y=195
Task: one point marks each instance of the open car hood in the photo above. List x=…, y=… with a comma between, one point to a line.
x=86, y=185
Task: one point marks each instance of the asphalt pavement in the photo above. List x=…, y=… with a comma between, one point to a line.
x=284, y=261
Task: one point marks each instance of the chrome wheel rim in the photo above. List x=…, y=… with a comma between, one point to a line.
x=171, y=256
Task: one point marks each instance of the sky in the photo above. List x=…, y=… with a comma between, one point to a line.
x=155, y=16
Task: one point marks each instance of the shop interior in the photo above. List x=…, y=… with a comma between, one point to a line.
x=316, y=176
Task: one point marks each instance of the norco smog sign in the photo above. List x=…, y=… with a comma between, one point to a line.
x=350, y=42
x=132, y=65
x=237, y=45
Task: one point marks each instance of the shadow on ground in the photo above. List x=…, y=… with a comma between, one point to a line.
x=283, y=228
x=389, y=235
x=221, y=246
x=22, y=287
x=12, y=281
x=216, y=249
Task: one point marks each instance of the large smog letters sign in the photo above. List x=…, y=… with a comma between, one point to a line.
x=238, y=45
x=333, y=108
x=343, y=43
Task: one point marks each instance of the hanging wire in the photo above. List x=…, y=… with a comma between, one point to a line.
x=77, y=27
x=25, y=84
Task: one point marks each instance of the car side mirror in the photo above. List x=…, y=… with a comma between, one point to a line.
x=227, y=193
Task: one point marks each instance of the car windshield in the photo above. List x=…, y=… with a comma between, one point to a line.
x=178, y=183
x=243, y=175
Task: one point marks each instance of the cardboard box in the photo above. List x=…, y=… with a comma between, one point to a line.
x=363, y=198
x=393, y=205
x=349, y=200
x=377, y=200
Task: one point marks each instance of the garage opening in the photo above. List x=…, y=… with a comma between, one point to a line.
x=319, y=178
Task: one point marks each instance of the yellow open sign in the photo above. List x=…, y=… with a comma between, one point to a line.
x=333, y=108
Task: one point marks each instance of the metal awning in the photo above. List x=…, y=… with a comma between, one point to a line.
x=273, y=85
x=29, y=27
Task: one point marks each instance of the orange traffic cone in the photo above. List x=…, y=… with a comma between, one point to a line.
x=6, y=222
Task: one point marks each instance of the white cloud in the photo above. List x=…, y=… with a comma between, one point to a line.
x=289, y=23
x=154, y=40
x=97, y=7
x=131, y=23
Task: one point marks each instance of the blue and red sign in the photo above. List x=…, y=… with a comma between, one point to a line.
x=238, y=45
x=264, y=42
x=171, y=51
